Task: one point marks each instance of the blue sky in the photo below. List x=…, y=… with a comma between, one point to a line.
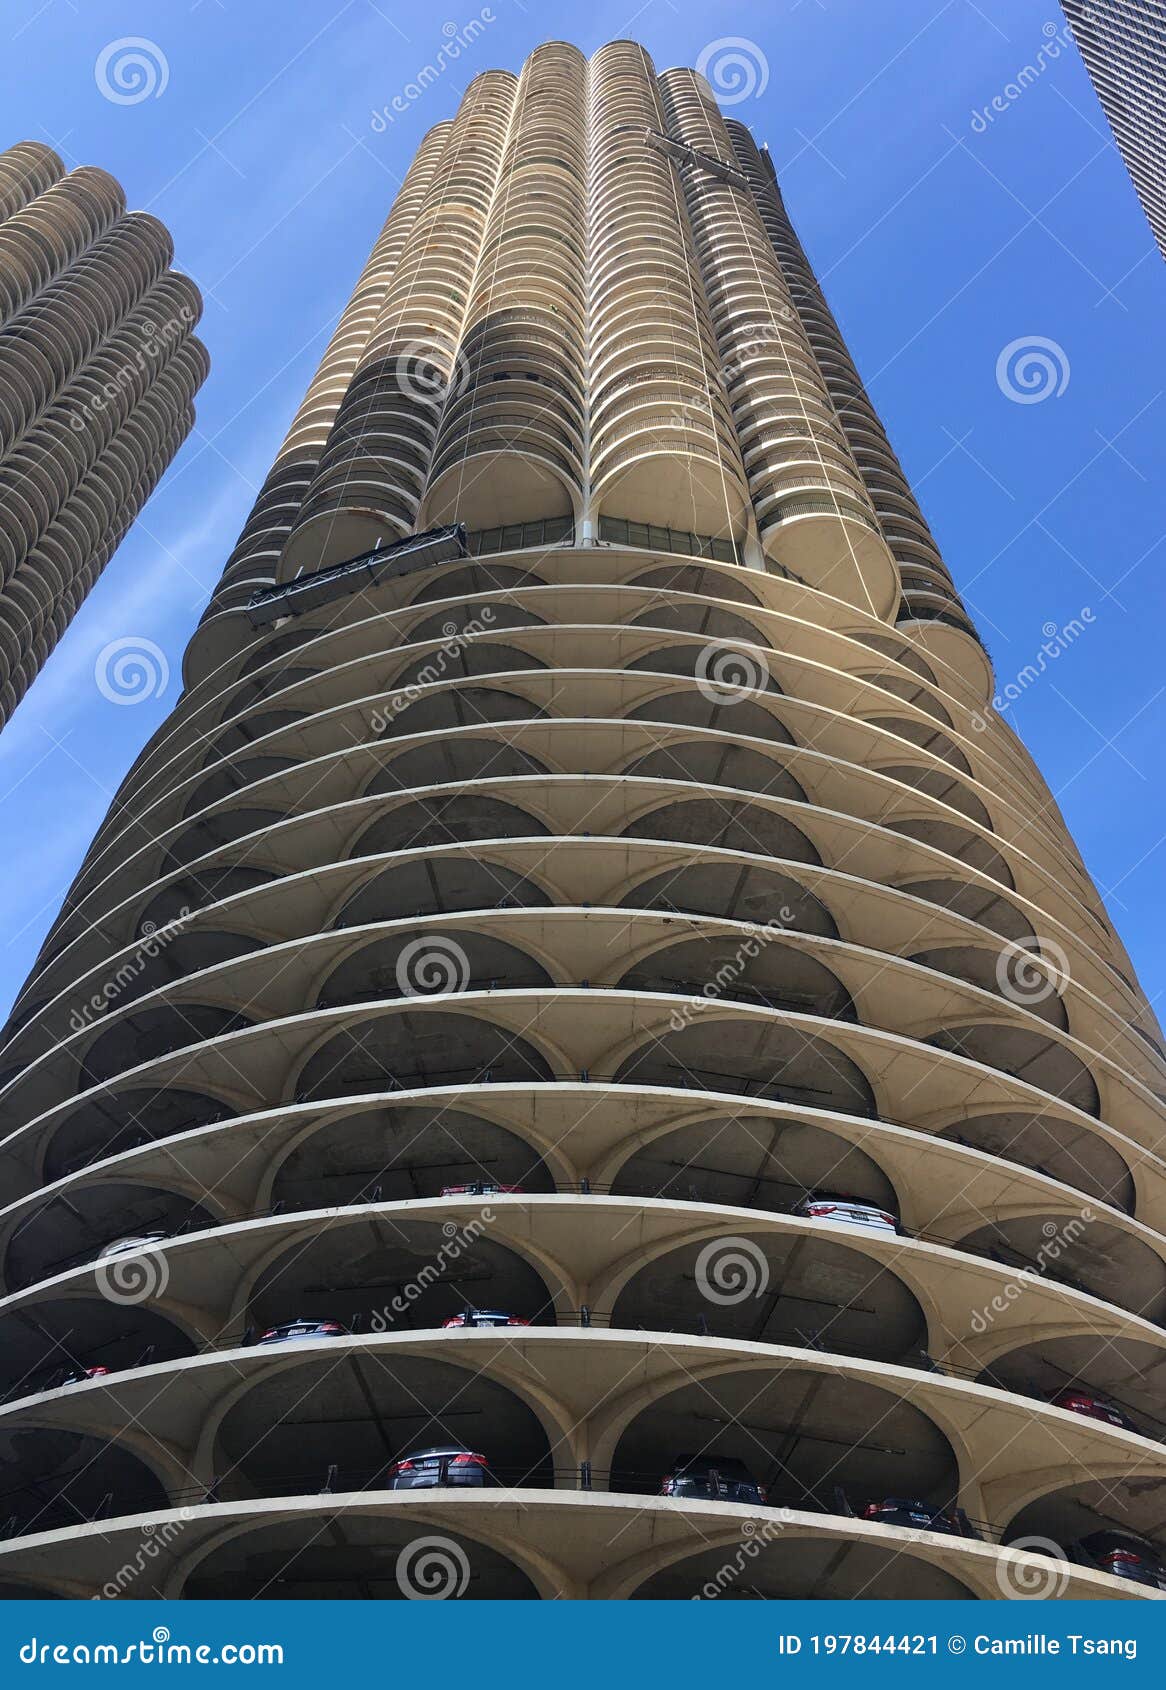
x=940, y=239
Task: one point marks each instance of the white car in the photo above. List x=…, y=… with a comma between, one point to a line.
x=850, y=1212
x=131, y=1246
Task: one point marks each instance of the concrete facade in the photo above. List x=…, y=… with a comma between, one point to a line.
x=651, y=854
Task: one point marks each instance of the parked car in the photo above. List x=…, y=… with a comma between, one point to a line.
x=130, y=1246
x=484, y=1317
x=1122, y=1555
x=447, y=1464
x=850, y=1212
x=79, y=1375
x=715, y=1478
x=293, y=1329
x=1094, y=1408
x=480, y=1188
x=917, y=1516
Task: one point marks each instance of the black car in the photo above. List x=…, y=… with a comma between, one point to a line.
x=448, y=1464
x=917, y=1516
x=292, y=1329
x=715, y=1478
x=1124, y=1556
x=484, y=1317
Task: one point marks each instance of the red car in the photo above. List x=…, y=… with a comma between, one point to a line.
x=1093, y=1408
x=483, y=1317
x=479, y=1189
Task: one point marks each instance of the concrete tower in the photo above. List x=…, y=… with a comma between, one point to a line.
x=585, y=880
x=98, y=372
x=1123, y=44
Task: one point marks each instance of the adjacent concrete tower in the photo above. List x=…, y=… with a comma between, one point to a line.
x=584, y=880
x=1123, y=43
x=98, y=372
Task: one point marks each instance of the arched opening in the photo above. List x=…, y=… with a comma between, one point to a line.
x=753, y=969
x=1064, y=1150
x=461, y=707
x=757, y=1058
x=731, y=826
x=152, y=1033
x=342, y=1424
x=357, y=1558
x=120, y=1121
x=454, y=761
x=392, y=1274
x=74, y=1228
x=752, y=1162
x=439, y=886
x=813, y=1440
x=56, y=1479
x=1027, y=1056
x=713, y=763
x=412, y=1049
x=737, y=894
x=446, y=821
x=391, y=1155
x=412, y=965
